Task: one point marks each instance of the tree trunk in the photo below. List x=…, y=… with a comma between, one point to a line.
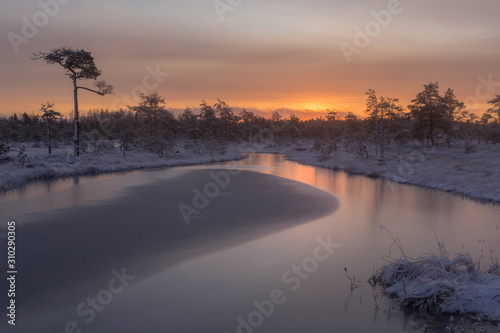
x=382, y=138
x=50, y=143
x=382, y=154
x=76, y=139
x=431, y=134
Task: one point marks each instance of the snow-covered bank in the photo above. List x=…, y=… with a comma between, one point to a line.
x=442, y=284
x=475, y=174
x=41, y=166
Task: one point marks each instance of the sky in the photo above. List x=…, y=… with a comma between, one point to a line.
x=300, y=57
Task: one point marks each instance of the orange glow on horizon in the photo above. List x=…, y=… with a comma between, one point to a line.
x=303, y=106
x=308, y=108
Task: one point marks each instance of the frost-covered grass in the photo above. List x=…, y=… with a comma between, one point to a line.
x=442, y=284
x=475, y=174
x=39, y=165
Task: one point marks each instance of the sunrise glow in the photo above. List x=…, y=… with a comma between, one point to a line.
x=301, y=56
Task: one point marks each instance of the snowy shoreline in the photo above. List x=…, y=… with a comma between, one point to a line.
x=40, y=166
x=475, y=176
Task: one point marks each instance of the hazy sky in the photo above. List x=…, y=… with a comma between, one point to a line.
x=263, y=54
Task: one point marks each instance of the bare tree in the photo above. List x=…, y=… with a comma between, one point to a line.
x=48, y=116
x=381, y=110
x=79, y=65
x=372, y=108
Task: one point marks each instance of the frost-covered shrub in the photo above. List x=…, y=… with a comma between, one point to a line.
x=469, y=148
x=212, y=145
x=197, y=149
x=221, y=146
x=443, y=285
x=22, y=158
x=4, y=150
x=360, y=149
x=494, y=270
x=100, y=147
x=84, y=145
x=317, y=145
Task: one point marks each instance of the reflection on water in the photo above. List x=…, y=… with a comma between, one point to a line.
x=73, y=191
x=416, y=215
x=225, y=291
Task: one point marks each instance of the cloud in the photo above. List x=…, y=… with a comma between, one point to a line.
x=269, y=54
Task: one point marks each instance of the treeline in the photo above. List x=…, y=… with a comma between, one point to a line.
x=432, y=119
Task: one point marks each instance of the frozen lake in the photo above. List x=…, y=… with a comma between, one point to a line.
x=116, y=253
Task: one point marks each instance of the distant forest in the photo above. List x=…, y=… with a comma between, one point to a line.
x=432, y=119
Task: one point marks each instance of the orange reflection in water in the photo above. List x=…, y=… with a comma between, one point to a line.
x=415, y=214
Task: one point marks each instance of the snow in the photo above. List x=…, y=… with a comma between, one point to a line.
x=42, y=166
x=474, y=175
x=435, y=282
x=444, y=285
x=432, y=282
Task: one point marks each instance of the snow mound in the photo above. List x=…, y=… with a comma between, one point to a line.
x=442, y=284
